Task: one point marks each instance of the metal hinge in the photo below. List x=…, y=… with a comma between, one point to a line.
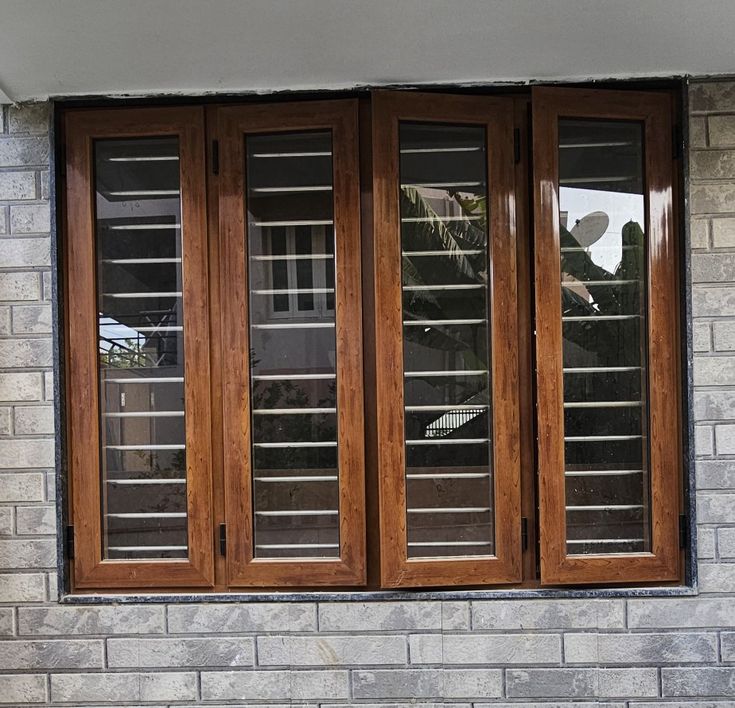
x=223, y=539
x=677, y=138
x=517, y=145
x=524, y=533
x=69, y=542
x=684, y=530
x=215, y=157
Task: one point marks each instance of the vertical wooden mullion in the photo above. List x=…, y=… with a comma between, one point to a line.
x=653, y=110
x=91, y=570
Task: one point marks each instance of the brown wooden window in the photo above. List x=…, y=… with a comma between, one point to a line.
x=301, y=343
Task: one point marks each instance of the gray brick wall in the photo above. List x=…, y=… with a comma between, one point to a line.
x=561, y=653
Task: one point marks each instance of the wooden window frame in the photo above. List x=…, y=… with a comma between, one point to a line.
x=654, y=112
x=496, y=116
x=369, y=343
x=90, y=569
x=234, y=123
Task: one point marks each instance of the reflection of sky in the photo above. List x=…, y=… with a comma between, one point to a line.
x=620, y=208
x=110, y=328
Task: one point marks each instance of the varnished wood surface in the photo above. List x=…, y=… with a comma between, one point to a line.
x=496, y=115
x=233, y=124
x=90, y=569
x=662, y=564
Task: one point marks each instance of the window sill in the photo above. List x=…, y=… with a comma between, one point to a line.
x=380, y=595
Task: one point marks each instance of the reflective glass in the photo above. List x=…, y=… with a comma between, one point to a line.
x=447, y=388
x=141, y=348
x=603, y=275
x=292, y=345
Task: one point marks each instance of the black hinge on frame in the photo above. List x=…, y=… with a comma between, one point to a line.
x=69, y=542
x=215, y=157
x=517, y=145
x=684, y=531
x=524, y=533
x=677, y=138
x=223, y=539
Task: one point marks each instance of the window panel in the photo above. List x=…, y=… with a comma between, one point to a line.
x=139, y=425
x=445, y=298
x=302, y=449
x=607, y=389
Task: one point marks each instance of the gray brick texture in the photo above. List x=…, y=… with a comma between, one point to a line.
x=629, y=652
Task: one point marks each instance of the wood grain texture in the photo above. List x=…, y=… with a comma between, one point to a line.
x=90, y=569
x=663, y=562
x=496, y=115
x=233, y=124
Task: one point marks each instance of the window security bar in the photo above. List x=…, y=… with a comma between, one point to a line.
x=300, y=478
x=145, y=414
x=292, y=411
x=598, y=318
x=600, y=438
x=575, y=283
x=148, y=515
x=431, y=219
x=127, y=448
x=141, y=380
x=144, y=158
x=464, y=372
x=140, y=261
x=460, y=286
x=439, y=544
x=594, y=541
x=146, y=193
x=299, y=512
x=439, y=185
x=276, y=445
x=294, y=325
x=135, y=296
x=293, y=377
x=419, y=151
x=437, y=323
x=151, y=549
x=603, y=404
x=601, y=473
x=478, y=407
x=295, y=257
x=449, y=510
x=294, y=546
x=458, y=252
x=447, y=475
x=599, y=369
x=143, y=227
x=292, y=154
x=448, y=441
x=294, y=190
x=298, y=222
x=136, y=482
x=294, y=291
x=605, y=507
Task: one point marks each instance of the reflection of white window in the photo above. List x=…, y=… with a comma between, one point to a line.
x=301, y=272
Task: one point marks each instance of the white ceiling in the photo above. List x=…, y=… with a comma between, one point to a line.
x=104, y=47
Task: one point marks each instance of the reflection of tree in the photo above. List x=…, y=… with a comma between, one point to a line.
x=294, y=428
x=124, y=354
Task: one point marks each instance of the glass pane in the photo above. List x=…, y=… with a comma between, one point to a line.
x=603, y=258
x=141, y=348
x=444, y=241
x=293, y=346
